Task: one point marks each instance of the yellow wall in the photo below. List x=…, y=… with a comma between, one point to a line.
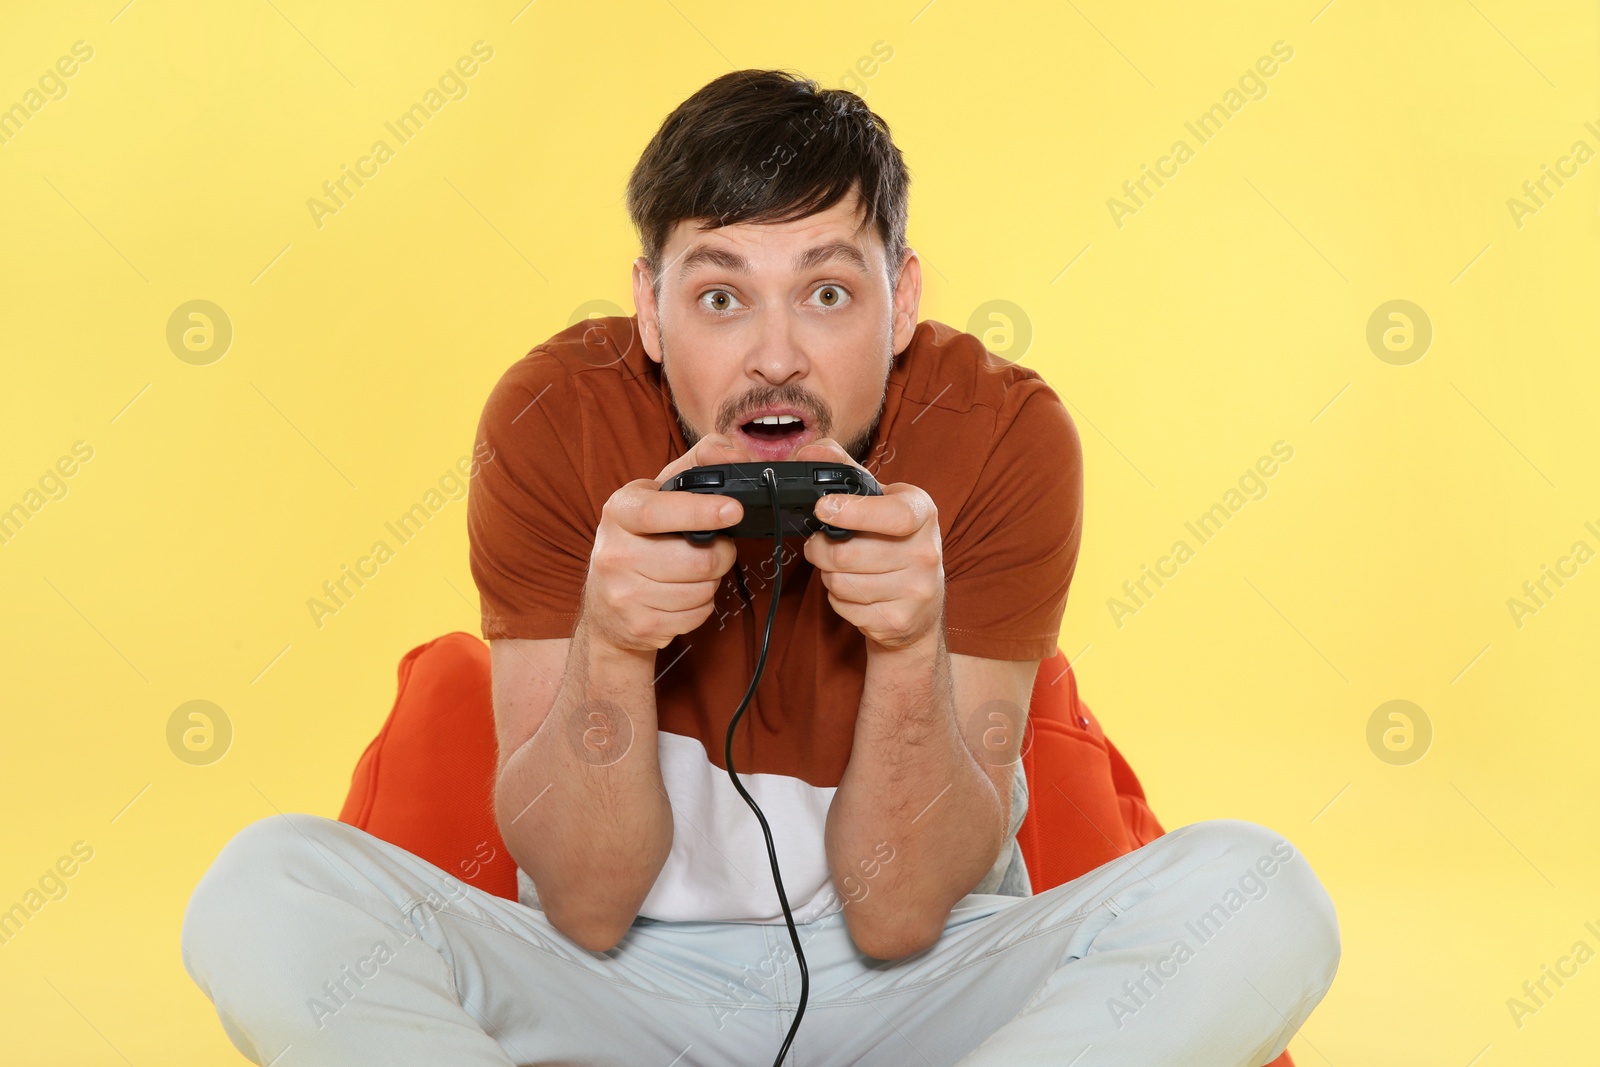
x=1229, y=312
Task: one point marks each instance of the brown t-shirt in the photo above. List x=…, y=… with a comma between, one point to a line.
x=588, y=411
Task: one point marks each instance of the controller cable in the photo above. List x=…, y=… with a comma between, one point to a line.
x=771, y=480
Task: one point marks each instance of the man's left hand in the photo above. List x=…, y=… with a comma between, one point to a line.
x=888, y=579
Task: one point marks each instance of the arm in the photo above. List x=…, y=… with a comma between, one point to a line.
x=578, y=792
x=579, y=797
x=936, y=743
x=937, y=735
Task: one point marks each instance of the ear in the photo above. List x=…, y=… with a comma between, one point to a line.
x=644, y=301
x=907, y=298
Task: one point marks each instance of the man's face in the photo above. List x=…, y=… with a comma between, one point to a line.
x=794, y=318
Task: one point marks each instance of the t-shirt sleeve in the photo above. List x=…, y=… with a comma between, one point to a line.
x=1010, y=554
x=530, y=525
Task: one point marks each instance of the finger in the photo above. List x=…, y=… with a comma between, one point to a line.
x=827, y=450
x=900, y=512
x=674, y=597
x=887, y=593
x=669, y=624
x=710, y=449
x=854, y=588
x=642, y=508
x=865, y=608
x=859, y=555
x=680, y=562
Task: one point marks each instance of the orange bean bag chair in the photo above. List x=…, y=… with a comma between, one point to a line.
x=425, y=782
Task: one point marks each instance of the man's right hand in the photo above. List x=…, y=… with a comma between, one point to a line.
x=644, y=589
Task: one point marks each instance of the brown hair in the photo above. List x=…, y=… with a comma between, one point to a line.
x=767, y=146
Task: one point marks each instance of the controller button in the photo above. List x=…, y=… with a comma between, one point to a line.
x=702, y=479
x=830, y=476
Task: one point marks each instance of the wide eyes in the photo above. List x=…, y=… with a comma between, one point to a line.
x=721, y=301
x=831, y=296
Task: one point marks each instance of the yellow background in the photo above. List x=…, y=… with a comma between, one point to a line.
x=1228, y=313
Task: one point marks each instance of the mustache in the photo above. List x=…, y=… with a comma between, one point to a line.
x=813, y=410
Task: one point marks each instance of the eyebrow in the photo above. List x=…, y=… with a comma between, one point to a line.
x=734, y=263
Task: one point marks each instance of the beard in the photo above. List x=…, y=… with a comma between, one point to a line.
x=858, y=447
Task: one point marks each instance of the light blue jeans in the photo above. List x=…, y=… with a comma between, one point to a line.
x=320, y=944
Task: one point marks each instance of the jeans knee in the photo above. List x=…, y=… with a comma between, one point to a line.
x=1254, y=862
x=233, y=896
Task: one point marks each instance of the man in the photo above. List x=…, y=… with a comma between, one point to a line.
x=777, y=319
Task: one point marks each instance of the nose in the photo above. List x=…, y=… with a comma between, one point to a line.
x=776, y=353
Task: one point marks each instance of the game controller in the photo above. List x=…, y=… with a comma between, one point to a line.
x=801, y=483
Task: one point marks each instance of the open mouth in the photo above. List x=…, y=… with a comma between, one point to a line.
x=775, y=428
x=774, y=436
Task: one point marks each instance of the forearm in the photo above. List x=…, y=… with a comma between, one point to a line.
x=913, y=783
x=581, y=804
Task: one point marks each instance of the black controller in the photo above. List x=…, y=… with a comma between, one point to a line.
x=801, y=483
